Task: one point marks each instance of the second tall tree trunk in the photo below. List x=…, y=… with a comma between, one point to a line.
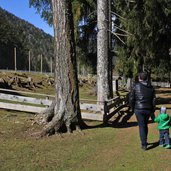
x=103, y=76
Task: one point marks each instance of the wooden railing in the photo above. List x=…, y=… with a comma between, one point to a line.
x=89, y=108
x=114, y=106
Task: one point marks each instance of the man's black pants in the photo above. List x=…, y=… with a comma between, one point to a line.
x=142, y=118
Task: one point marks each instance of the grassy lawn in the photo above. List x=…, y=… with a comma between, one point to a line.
x=101, y=148
x=115, y=147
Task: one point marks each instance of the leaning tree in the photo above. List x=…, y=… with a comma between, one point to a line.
x=65, y=109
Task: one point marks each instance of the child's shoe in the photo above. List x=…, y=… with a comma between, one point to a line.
x=161, y=145
x=167, y=146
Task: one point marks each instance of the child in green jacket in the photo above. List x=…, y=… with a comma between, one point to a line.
x=164, y=123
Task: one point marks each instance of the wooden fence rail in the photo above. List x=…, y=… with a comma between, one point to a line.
x=89, y=111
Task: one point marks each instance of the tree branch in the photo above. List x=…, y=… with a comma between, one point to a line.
x=117, y=37
x=123, y=30
x=117, y=15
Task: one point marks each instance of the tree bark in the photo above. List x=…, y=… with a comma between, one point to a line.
x=103, y=77
x=65, y=110
x=170, y=67
x=110, y=62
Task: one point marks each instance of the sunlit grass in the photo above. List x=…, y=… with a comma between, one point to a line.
x=101, y=148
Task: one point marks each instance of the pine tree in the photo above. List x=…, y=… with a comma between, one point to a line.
x=147, y=40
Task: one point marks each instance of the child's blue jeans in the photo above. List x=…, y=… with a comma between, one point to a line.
x=164, y=137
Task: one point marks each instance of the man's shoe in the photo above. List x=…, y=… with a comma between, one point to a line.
x=144, y=148
x=167, y=146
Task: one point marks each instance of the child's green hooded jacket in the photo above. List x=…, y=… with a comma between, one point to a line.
x=164, y=121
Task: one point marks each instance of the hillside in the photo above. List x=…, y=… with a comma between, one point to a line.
x=15, y=32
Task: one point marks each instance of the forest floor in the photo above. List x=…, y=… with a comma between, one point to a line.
x=115, y=147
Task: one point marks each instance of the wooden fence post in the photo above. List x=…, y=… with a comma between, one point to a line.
x=51, y=65
x=15, y=59
x=29, y=61
x=115, y=85
x=41, y=67
x=106, y=111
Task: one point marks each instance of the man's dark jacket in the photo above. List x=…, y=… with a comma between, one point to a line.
x=142, y=96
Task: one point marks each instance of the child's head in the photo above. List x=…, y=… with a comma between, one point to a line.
x=163, y=109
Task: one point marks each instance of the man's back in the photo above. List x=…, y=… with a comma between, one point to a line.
x=142, y=96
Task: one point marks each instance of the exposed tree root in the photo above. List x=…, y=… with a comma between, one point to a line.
x=57, y=123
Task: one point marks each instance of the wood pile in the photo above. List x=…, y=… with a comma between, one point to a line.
x=22, y=80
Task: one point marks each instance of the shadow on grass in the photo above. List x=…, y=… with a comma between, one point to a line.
x=121, y=121
x=152, y=145
x=155, y=144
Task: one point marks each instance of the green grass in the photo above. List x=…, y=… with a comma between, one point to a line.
x=101, y=148
x=113, y=148
x=85, y=93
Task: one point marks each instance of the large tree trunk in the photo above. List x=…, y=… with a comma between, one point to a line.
x=103, y=77
x=65, y=110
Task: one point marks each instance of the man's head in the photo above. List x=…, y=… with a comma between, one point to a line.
x=143, y=76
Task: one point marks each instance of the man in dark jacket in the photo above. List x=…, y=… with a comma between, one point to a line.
x=142, y=102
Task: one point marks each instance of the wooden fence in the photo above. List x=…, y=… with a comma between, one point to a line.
x=161, y=84
x=89, y=108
